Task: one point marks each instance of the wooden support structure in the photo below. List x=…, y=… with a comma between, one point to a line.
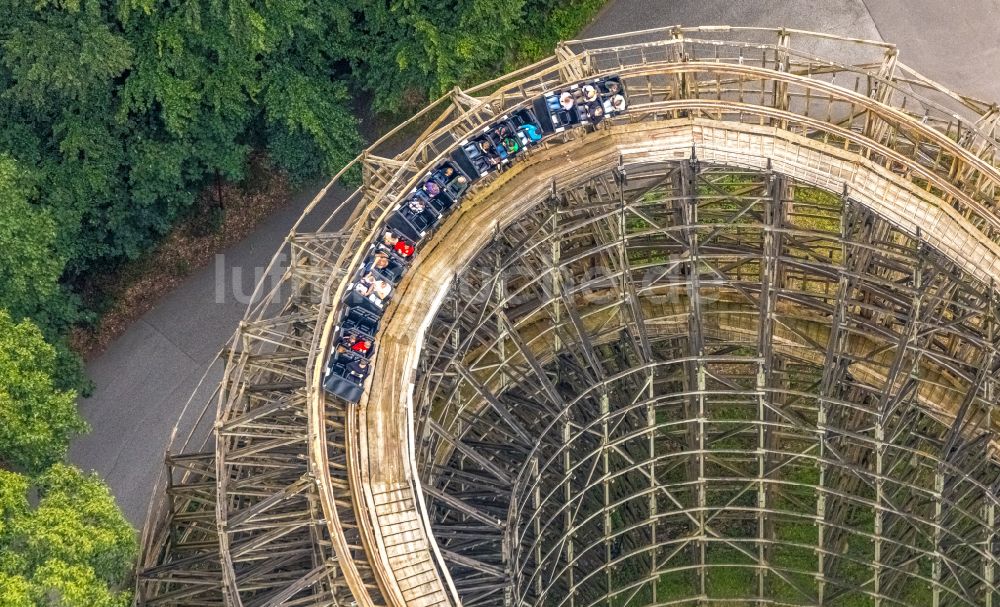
x=738, y=345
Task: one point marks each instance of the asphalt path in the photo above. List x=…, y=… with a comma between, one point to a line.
x=146, y=378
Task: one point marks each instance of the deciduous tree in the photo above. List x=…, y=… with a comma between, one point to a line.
x=74, y=549
x=37, y=420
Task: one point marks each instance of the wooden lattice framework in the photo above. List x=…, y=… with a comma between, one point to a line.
x=852, y=336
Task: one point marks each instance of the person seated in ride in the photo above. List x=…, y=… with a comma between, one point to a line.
x=381, y=289
x=494, y=141
x=490, y=154
x=445, y=175
x=416, y=204
x=501, y=150
x=510, y=145
x=431, y=188
x=596, y=112
x=358, y=370
x=366, y=285
x=361, y=345
x=404, y=249
x=458, y=186
x=566, y=100
x=589, y=93
x=529, y=132
x=353, y=343
x=618, y=103
x=374, y=288
x=397, y=244
x=381, y=260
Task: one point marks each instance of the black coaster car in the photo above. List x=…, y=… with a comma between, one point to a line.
x=344, y=379
x=526, y=125
x=467, y=164
x=392, y=272
x=614, y=99
x=498, y=143
x=565, y=108
x=392, y=250
x=412, y=224
x=342, y=387
x=349, y=339
x=361, y=320
x=422, y=219
x=445, y=186
x=585, y=103
x=357, y=300
x=478, y=155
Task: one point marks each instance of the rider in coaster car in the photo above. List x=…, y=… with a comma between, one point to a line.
x=566, y=100
x=489, y=153
x=381, y=260
x=397, y=244
x=358, y=370
x=432, y=188
x=354, y=343
x=374, y=288
x=381, y=288
x=416, y=205
x=446, y=174
x=362, y=345
x=510, y=145
x=366, y=285
x=529, y=132
x=458, y=186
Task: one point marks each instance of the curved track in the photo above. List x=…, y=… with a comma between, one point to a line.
x=305, y=500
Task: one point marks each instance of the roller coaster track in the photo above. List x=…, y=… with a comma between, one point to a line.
x=298, y=498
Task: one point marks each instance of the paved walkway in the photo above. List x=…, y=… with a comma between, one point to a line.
x=146, y=377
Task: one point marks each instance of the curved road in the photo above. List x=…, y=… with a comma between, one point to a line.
x=147, y=376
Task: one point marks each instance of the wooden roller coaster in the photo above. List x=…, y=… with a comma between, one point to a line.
x=735, y=345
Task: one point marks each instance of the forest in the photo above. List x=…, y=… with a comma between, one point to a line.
x=115, y=116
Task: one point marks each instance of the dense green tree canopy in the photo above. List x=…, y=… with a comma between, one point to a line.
x=29, y=267
x=74, y=549
x=114, y=114
x=36, y=419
